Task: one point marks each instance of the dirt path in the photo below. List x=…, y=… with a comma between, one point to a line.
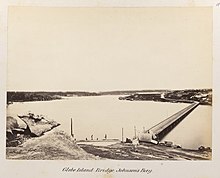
x=146, y=151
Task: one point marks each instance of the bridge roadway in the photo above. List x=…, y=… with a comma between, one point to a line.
x=160, y=130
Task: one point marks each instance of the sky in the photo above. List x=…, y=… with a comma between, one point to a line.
x=101, y=49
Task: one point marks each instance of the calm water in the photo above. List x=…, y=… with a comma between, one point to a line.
x=107, y=115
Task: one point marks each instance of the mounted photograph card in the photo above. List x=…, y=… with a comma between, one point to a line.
x=109, y=91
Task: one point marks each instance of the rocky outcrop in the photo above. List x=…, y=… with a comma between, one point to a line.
x=38, y=125
x=33, y=126
x=55, y=145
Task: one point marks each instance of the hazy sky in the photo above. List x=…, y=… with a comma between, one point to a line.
x=96, y=49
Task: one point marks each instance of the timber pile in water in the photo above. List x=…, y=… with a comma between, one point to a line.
x=32, y=126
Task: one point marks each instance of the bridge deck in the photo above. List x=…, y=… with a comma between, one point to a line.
x=163, y=128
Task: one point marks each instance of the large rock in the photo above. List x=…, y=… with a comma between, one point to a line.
x=38, y=125
x=15, y=133
x=11, y=123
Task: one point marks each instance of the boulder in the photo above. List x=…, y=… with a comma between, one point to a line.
x=37, y=126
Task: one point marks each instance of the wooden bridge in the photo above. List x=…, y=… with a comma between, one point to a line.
x=160, y=130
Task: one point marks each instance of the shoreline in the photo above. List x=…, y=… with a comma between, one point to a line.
x=55, y=144
x=146, y=151
x=204, y=96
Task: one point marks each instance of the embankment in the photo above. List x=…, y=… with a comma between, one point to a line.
x=54, y=145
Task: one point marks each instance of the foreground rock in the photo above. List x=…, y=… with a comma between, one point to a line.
x=27, y=127
x=15, y=133
x=54, y=145
x=38, y=125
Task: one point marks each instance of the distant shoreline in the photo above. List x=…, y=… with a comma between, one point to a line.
x=204, y=96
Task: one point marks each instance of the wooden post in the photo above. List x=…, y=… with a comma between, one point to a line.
x=122, y=135
x=135, y=132
x=71, y=128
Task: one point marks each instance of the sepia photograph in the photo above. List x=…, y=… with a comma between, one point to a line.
x=109, y=84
